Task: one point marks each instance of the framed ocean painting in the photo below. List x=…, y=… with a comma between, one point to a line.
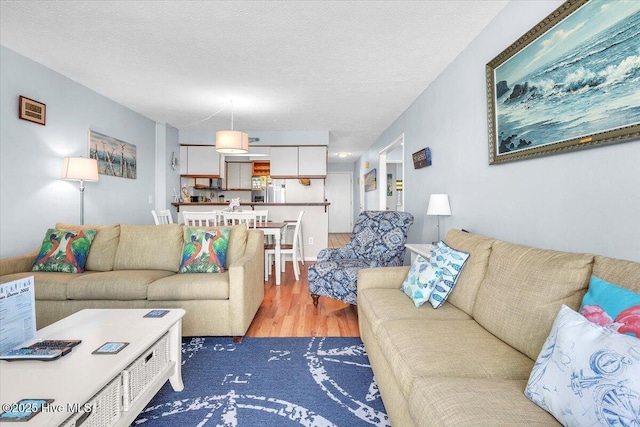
x=115, y=157
x=571, y=82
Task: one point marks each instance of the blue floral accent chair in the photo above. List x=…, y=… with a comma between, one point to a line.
x=377, y=240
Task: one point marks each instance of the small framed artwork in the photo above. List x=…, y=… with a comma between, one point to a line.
x=370, y=180
x=31, y=110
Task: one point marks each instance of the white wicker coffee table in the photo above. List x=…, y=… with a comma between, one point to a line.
x=105, y=389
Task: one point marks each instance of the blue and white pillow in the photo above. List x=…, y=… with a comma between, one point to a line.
x=421, y=280
x=586, y=375
x=450, y=261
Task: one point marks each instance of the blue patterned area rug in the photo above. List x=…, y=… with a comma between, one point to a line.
x=270, y=382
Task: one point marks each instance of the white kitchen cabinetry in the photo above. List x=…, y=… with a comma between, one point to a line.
x=312, y=161
x=283, y=161
x=199, y=160
x=238, y=176
x=303, y=161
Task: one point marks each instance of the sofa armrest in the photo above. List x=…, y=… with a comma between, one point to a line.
x=18, y=264
x=246, y=283
x=382, y=277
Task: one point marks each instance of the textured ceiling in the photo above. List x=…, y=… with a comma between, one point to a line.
x=347, y=67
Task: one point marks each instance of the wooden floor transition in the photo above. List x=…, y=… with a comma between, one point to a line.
x=288, y=311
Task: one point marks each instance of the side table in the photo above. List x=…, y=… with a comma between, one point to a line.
x=422, y=249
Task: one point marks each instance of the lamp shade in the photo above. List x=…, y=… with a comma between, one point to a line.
x=80, y=169
x=232, y=142
x=439, y=205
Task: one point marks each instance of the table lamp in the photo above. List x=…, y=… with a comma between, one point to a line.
x=439, y=205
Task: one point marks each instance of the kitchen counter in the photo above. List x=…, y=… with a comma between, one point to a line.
x=254, y=205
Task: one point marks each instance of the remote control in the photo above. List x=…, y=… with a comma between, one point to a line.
x=31, y=354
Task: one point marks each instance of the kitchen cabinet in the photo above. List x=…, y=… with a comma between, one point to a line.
x=199, y=160
x=294, y=162
x=312, y=161
x=238, y=176
x=283, y=162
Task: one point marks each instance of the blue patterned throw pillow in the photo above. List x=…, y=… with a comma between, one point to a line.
x=450, y=262
x=421, y=280
x=587, y=375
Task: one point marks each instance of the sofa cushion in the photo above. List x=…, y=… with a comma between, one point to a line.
x=474, y=402
x=478, y=246
x=587, y=375
x=64, y=251
x=524, y=289
x=623, y=273
x=149, y=247
x=445, y=348
x=205, y=286
x=237, y=243
x=48, y=285
x=378, y=305
x=114, y=285
x=104, y=245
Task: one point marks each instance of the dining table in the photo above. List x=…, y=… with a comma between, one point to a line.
x=274, y=229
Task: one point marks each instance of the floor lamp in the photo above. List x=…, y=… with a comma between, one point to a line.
x=80, y=169
x=439, y=205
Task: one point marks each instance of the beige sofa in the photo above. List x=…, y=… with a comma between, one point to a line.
x=468, y=362
x=135, y=266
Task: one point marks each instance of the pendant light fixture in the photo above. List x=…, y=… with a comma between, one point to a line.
x=232, y=141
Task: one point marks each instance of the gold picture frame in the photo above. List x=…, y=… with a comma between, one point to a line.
x=32, y=110
x=558, y=87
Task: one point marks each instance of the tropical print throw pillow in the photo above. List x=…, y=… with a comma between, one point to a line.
x=205, y=250
x=64, y=251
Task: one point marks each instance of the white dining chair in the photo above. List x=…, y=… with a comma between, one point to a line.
x=200, y=219
x=285, y=249
x=162, y=217
x=262, y=215
x=246, y=217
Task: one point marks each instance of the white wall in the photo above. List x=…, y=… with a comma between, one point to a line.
x=33, y=198
x=584, y=201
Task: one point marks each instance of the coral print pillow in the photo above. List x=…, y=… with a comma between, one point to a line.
x=64, y=251
x=613, y=307
x=587, y=375
x=205, y=250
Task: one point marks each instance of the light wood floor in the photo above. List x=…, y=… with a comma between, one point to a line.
x=337, y=240
x=288, y=311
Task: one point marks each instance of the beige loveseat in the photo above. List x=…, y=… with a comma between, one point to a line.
x=468, y=362
x=135, y=266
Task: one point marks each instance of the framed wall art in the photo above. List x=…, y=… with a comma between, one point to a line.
x=115, y=157
x=571, y=82
x=31, y=110
x=370, y=182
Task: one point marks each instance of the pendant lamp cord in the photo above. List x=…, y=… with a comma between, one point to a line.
x=224, y=106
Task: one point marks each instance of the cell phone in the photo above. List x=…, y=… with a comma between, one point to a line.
x=24, y=410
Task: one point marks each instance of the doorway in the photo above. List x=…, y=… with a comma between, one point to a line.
x=339, y=192
x=391, y=154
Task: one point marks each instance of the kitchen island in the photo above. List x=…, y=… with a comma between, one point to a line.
x=315, y=222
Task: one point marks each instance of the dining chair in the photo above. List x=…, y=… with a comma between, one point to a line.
x=262, y=215
x=246, y=217
x=162, y=217
x=200, y=219
x=285, y=249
